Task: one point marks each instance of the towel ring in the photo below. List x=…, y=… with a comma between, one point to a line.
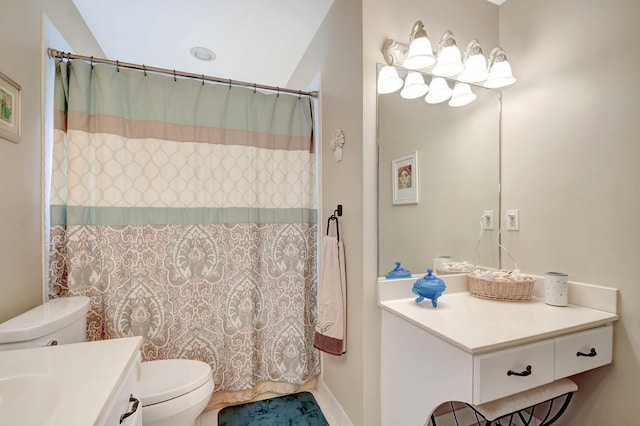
x=333, y=217
x=337, y=212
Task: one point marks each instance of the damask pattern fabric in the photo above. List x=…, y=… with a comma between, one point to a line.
x=187, y=213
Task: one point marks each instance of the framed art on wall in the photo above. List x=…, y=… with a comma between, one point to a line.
x=9, y=109
x=404, y=172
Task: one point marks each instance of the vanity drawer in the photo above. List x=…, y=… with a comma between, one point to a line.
x=501, y=373
x=574, y=352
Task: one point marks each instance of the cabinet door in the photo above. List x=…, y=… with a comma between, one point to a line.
x=583, y=351
x=120, y=403
x=501, y=373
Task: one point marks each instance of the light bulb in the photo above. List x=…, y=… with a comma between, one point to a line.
x=439, y=91
x=388, y=80
x=414, y=86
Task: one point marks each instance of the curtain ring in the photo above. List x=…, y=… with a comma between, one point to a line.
x=144, y=69
x=278, y=92
x=92, y=62
x=203, y=79
x=229, y=84
x=255, y=87
x=117, y=65
x=174, y=75
x=299, y=94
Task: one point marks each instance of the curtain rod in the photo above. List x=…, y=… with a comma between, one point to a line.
x=53, y=53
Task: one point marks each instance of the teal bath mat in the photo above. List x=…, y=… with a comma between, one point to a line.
x=299, y=409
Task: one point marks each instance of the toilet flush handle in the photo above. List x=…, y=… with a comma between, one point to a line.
x=52, y=343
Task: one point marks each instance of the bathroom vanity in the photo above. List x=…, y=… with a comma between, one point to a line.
x=475, y=350
x=73, y=385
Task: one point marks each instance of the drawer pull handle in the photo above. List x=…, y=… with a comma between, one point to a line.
x=591, y=353
x=522, y=373
x=134, y=408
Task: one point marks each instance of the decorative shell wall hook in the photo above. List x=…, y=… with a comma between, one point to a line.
x=337, y=141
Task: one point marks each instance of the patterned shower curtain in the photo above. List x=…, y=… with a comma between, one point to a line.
x=187, y=213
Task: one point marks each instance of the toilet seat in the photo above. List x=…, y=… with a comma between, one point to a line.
x=166, y=379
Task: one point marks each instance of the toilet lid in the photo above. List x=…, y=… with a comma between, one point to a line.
x=165, y=379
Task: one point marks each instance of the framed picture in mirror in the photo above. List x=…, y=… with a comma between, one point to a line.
x=9, y=109
x=404, y=172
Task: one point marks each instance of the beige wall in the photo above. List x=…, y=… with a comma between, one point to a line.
x=21, y=250
x=571, y=152
x=335, y=53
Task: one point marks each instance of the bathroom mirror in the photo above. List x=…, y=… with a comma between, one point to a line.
x=457, y=171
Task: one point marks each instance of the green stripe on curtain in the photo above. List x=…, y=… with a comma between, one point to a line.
x=80, y=215
x=105, y=95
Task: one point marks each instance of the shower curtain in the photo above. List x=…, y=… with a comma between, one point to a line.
x=187, y=213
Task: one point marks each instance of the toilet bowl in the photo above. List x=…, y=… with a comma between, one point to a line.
x=174, y=391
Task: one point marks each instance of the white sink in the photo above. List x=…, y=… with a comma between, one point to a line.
x=28, y=399
x=64, y=385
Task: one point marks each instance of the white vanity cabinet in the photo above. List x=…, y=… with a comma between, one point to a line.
x=475, y=351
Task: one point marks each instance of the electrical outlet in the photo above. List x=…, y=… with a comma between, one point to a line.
x=513, y=220
x=487, y=220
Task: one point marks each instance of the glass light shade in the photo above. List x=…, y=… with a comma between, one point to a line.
x=500, y=75
x=420, y=54
x=414, y=86
x=439, y=91
x=388, y=80
x=462, y=95
x=449, y=62
x=475, y=69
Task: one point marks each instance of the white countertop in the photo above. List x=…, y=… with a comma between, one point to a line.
x=83, y=376
x=479, y=325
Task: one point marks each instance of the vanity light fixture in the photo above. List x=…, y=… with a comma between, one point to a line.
x=417, y=55
x=414, y=86
x=475, y=64
x=420, y=54
x=500, y=74
x=449, y=62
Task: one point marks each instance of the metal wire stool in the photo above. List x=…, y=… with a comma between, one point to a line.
x=543, y=412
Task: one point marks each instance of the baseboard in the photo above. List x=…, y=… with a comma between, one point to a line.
x=331, y=407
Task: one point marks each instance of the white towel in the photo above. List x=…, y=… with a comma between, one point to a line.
x=330, y=335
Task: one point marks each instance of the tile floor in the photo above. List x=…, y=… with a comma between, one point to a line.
x=210, y=418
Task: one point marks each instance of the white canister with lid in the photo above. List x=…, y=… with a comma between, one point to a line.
x=556, y=290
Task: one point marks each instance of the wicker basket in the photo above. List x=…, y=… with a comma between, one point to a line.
x=513, y=291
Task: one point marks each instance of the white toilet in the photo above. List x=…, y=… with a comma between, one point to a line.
x=174, y=391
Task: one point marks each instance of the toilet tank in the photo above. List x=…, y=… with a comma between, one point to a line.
x=62, y=320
